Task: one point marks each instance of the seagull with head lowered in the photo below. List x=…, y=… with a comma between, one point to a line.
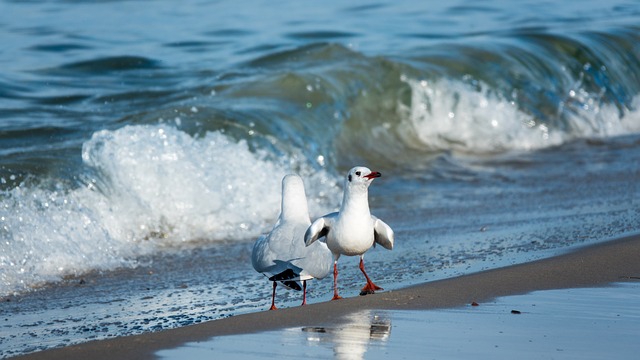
x=352, y=230
x=282, y=255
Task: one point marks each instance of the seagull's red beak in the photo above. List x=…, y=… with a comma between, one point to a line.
x=373, y=175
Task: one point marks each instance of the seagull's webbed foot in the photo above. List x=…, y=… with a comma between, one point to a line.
x=370, y=288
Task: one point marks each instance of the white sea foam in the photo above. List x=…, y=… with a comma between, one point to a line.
x=156, y=187
x=451, y=115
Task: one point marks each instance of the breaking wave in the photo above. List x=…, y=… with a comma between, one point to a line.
x=150, y=187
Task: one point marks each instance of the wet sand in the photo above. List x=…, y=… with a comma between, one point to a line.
x=577, y=323
x=612, y=261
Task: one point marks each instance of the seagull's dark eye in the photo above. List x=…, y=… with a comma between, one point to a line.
x=349, y=178
x=358, y=173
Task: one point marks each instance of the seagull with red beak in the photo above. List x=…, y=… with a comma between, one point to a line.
x=353, y=230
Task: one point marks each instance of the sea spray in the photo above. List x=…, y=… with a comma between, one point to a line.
x=149, y=187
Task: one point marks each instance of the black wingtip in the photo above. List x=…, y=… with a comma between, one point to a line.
x=285, y=275
x=285, y=278
x=292, y=284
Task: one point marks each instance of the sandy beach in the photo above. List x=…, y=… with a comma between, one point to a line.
x=609, y=262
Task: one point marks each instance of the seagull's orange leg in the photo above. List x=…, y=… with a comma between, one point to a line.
x=304, y=292
x=335, y=281
x=273, y=297
x=370, y=288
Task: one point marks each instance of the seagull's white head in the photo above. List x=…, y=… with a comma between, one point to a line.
x=360, y=176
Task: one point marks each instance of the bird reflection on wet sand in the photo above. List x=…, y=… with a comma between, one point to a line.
x=352, y=334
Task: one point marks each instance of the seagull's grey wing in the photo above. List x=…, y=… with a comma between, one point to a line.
x=261, y=256
x=318, y=229
x=318, y=261
x=382, y=233
x=272, y=247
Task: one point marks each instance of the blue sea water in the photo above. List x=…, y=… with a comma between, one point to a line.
x=142, y=144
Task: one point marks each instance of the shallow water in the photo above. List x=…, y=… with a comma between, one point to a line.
x=141, y=151
x=567, y=324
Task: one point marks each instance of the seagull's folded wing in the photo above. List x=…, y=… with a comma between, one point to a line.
x=383, y=234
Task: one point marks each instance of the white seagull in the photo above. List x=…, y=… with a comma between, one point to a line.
x=282, y=255
x=352, y=230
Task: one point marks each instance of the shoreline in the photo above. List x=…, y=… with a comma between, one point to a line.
x=588, y=266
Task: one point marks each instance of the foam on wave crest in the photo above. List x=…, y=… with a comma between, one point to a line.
x=452, y=115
